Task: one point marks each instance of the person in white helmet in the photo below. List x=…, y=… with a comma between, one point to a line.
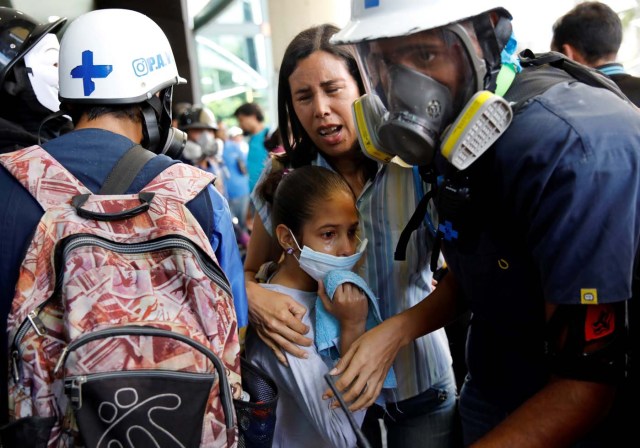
x=538, y=218
x=117, y=72
x=28, y=80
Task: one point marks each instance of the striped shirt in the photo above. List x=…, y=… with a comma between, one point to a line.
x=386, y=205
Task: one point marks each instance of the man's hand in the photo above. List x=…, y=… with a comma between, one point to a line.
x=364, y=367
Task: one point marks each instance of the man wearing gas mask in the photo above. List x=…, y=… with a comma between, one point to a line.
x=203, y=149
x=117, y=87
x=538, y=206
x=28, y=80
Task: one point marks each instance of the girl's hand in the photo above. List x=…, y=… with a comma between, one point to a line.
x=349, y=305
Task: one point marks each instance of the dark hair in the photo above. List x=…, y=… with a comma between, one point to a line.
x=273, y=140
x=250, y=109
x=298, y=145
x=295, y=194
x=592, y=28
x=92, y=111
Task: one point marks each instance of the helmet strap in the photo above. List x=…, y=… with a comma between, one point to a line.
x=151, y=128
x=490, y=46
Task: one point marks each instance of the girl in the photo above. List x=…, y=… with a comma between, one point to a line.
x=315, y=222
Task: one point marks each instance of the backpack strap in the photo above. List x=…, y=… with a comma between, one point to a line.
x=180, y=182
x=541, y=71
x=125, y=171
x=44, y=177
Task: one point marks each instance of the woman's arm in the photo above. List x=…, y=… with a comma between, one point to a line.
x=276, y=317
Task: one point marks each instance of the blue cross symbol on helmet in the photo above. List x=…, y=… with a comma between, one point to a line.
x=88, y=71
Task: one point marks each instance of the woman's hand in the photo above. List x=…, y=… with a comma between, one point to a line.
x=277, y=319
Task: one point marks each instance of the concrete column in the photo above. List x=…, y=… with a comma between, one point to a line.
x=289, y=17
x=286, y=18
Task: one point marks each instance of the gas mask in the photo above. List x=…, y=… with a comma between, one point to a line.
x=192, y=151
x=208, y=143
x=159, y=136
x=409, y=114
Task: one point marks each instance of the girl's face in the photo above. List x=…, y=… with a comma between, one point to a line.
x=322, y=91
x=333, y=227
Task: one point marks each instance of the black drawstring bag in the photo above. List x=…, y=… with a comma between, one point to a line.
x=256, y=417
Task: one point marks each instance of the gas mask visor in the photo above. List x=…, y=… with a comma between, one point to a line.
x=417, y=86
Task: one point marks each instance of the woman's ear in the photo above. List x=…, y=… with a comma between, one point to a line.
x=285, y=239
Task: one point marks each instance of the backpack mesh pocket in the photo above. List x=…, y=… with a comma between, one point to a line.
x=257, y=417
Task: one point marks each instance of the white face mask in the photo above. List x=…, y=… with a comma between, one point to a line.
x=42, y=59
x=319, y=264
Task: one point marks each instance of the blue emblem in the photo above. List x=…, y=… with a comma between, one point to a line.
x=447, y=230
x=371, y=3
x=87, y=71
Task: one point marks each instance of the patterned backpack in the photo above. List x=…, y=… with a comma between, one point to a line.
x=122, y=330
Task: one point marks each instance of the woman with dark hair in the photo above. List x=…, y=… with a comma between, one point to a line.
x=318, y=83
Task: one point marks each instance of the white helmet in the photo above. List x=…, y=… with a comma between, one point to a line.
x=377, y=19
x=114, y=56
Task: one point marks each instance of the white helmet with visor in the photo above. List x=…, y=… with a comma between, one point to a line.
x=423, y=64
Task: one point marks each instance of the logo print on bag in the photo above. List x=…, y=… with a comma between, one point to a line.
x=87, y=71
x=125, y=401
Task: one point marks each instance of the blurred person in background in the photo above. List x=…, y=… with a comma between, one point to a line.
x=237, y=184
x=251, y=120
x=201, y=126
x=591, y=34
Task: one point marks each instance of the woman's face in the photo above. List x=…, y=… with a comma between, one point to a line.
x=322, y=91
x=333, y=227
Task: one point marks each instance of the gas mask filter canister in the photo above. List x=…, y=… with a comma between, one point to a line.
x=483, y=119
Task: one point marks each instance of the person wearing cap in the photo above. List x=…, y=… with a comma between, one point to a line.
x=201, y=127
x=538, y=220
x=117, y=87
x=28, y=80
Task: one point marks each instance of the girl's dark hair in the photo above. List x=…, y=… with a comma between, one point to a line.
x=296, y=194
x=297, y=143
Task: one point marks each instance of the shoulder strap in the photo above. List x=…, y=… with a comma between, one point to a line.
x=44, y=177
x=125, y=171
x=544, y=70
x=180, y=182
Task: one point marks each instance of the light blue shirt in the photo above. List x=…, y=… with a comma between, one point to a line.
x=256, y=157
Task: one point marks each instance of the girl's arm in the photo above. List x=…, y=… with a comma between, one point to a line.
x=350, y=307
x=276, y=317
